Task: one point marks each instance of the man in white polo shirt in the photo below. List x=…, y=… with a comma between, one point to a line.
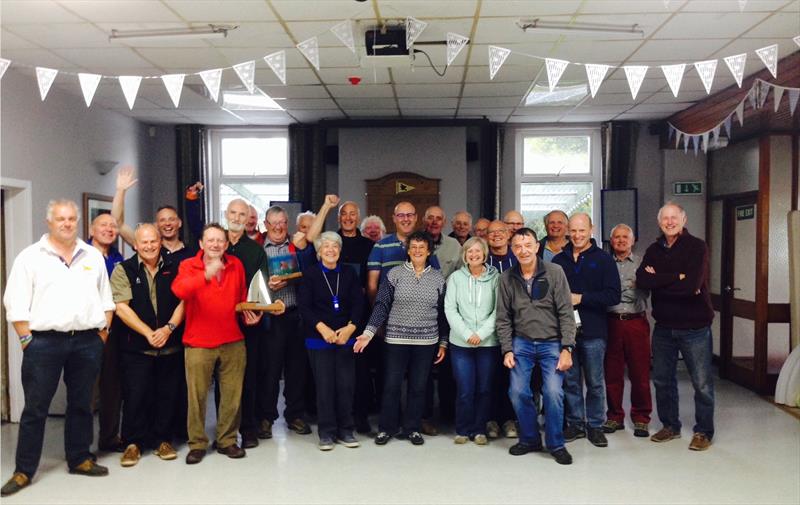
x=59, y=300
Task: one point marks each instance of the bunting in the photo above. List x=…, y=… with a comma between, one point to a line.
x=555, y=68
x=344, y=32
x=45, y=78
x=777, y=95
x=635, y=75
x=794, y=94
x=4, y=63
x=674, y=76
x=212, y=79
x=247, y=74
x=497, y=56
x=174, y=85
x=414, y=28
x=736, y=66
x=277, y=62
x=797, y=40
x=769, y=55
x=310, y=49
x=89, y=84
x=130, y=87
x=706, y=70
x=595, y=74
x=455, y=43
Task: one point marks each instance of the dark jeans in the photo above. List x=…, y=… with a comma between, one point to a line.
x=399, y=359
x=254, y=378
x=587, y=364
x=110, y=390
x=473, y=372
x=528, y=353
x=502, y=410
x=334, y=376
x=150, y=390
x=285, y=355
x=445, y=389
x=695, y=347
x=369, y=379
x=79, y=356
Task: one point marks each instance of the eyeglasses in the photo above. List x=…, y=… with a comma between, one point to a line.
x=278, y=223
x=407, y=215
x=497, y=232
x=513, y=223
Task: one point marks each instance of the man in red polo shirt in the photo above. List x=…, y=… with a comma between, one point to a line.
x=211, y=284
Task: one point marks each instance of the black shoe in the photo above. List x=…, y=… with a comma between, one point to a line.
x=521, y=448
x=18, y=481
x=89, y=468
x=597, y=437
x=382, y=438
x=195, y=456
x=415, y=438
x=561, y=456
x=300, y=427
x=249, y=441
x=362, y=425
x=265, y=429
x=572, y=433
x=640, y=430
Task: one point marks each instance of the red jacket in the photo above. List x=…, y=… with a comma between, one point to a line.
x=211, y=318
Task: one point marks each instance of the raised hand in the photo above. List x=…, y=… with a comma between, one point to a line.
x=125, y=178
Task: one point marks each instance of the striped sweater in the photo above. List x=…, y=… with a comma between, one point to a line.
x=411, y=307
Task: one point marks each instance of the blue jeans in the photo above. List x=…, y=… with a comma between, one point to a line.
x=473, y=371
x=79, y=355
x=695, y=347
x=587, y=364
x=399, y=358
x=527, y=353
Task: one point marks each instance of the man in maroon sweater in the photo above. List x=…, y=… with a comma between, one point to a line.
x=675, y=270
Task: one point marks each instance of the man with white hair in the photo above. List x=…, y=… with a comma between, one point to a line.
x=462, y=224
x=58, y=299
x=675, y=270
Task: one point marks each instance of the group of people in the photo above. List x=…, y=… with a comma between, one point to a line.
x=505, y=327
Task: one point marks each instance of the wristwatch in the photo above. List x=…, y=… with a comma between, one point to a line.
x=567, y=348
x=171, y=326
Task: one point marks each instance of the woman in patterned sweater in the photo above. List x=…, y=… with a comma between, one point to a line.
x=411, y=304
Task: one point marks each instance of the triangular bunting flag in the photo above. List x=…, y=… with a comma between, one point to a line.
x=45, y=78
x=554, y=70
x=247, y=74
x=751, y=96
x=685, y=144
x=736, y=66
x=455, y=43
x=727, y=125
x=705, y=142
x=742, y=3
x=277, y=62
x=414, y=28
x=740, y=113
x=794, y=94
x=706, y=70
x=695, y=143
x=344, y=32
x=595, y=74
x=212, y=79
x=174, y=85
x=89, y=84
x=497, y=56
x=777, y=95
x=715, y=135
x=4, y=63
x=635, y=75
x=674, y=76
x=671, y=133
x=763, y=91
x=769, y=55
x=678, y=139
x=310, y=49
x=666, y=4
x=797, y=40
x=130, y=87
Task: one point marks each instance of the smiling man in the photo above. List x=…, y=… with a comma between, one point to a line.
x=462, y=224
x=446, y=249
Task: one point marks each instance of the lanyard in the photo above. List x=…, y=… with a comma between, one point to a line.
x=334, y=296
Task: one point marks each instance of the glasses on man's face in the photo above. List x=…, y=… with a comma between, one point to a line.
x=276, y=224
x=513, y=223
x=497, y=232
x=407, y=215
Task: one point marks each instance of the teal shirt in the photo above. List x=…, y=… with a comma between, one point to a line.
x=469, y=305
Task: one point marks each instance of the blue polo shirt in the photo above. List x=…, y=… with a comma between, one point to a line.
x=112, y=259
x=390, y=252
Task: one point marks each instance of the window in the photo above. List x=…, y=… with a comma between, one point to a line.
x=250, y=164
x=558, y=170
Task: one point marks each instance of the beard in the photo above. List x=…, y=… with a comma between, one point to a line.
x=235, y=227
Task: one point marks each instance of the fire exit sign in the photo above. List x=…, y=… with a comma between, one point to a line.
x=687, y=188
x=745, y=212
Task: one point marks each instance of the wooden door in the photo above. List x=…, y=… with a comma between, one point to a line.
x=386, y=192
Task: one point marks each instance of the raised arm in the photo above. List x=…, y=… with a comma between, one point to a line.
x=330, y=202
x=125, y=180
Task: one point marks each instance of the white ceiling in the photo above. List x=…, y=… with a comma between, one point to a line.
x=72, y=36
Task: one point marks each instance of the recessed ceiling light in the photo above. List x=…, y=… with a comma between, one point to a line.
x=562, y=95
x=242, y=100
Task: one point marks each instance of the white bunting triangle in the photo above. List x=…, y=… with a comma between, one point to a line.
x=686, y=143
x=727, y=125
x=455, y=43
x=45, y=78
x=706, y=70
x=344, y=32
x=736, y=66
x=212, y=79
x=4, y=63
x=794, y=94
x=635, y=75
x=130, y=87
x=671, y=132
x=695, y=143
x=247, y=74
x=89, y=84
x=715, y=135
x=554, y=70
x=174, y=85
x=277, y=62
x=310, y=49
x=678, y=139
x=595, y=74
x=797, y=40
x=752, y=96
x=497, y=56
x=666, y=4
x=705, y=142
x=763, y=91
x=740, y=113
x=777, y=95
x=742, y=3
x=674, y=76
x=769, y=55
x=414, y=28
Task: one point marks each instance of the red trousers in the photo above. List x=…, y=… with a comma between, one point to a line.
x=628, y=344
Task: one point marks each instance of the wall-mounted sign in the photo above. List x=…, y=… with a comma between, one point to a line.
x=745, y=212
x=687, y=188
x=402, y=187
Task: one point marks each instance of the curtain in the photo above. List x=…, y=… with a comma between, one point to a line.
x=619, y=139
x=190, y=168
x=490, y=157
x=307, y=164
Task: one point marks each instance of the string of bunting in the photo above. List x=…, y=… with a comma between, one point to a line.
x=756, y=97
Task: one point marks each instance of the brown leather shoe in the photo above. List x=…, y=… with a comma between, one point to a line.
x=165, y=451
x=300, y=427
x=265, y=429
x=665, y=435
x=195, y=456
x=700, y=442
x=249, y=441
x=131, y=456
x=233, y=451
x=89, y=468
x=18, y=481
x=428, y=428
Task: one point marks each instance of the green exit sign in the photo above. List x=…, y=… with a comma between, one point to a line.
x=745, y=212
x=687, y=188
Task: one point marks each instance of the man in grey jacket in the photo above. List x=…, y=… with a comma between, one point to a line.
x=536, y=325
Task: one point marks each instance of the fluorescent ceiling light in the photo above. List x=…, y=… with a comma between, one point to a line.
x=242, y=100
x=203, y=32
x=540, y=25
x=562, y=95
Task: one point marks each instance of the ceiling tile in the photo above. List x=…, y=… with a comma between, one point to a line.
x=708, y=25
x=332, y=10
x=427, y=90
x=425, y=9
x=297, y=91
x=731, y=6
x=664, y=52
x=340, y=75
x=412, y=112
x=403, y=75
x=9, y=40
x=433, y=103
x=497, y=89
x=256, y=35
x=180, y=59
x=308, y=103
x=510, y=73
x=377, y=113
x=525, y=9
x=38, y=57
x=309, y=116
x=366, y=103
x=488, y=101
x=659, y=107
x=26, y=11
x=782, y=24
x=361, y=91
x=62, y=35
x=214, y=11
x=483, y=111
x=120, y=11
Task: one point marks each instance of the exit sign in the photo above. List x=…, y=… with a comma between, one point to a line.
x=687, y=188
x=745, y=212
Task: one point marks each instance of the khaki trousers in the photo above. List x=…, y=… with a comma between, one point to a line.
x=200, y=363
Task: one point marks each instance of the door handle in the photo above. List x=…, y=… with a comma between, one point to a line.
x=729, y=289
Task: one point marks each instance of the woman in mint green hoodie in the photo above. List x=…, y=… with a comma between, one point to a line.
x=469, y=305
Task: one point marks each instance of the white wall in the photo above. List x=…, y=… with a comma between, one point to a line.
x=437, y=152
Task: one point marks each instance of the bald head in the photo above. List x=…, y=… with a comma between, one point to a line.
x=514, y=220
x=104, y=229
x=580, y=231
x=434, y=221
